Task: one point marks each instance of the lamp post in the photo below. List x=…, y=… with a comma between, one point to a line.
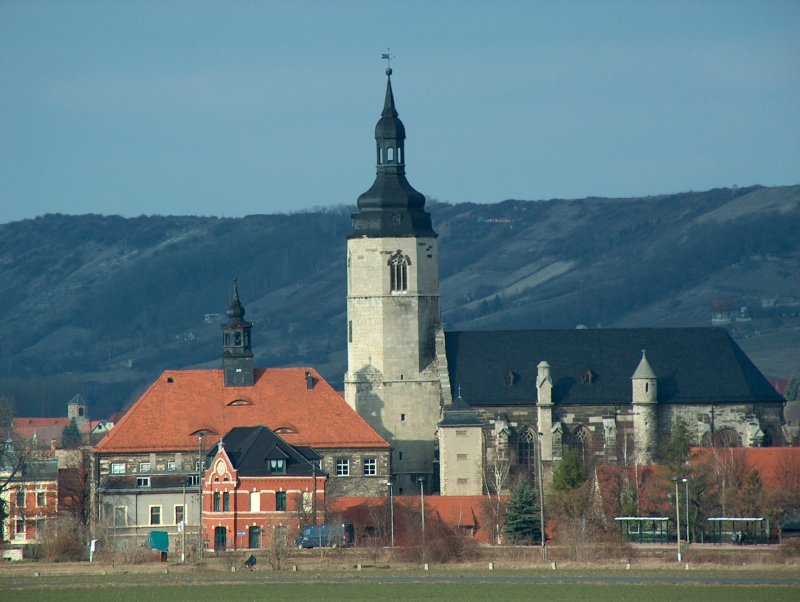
x=391, y=509
x=422, y=504
x=200, y=491
x=688, y=535
x=677, y=515
x=541, y=496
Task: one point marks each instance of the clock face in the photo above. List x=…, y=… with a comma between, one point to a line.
x=220, y=467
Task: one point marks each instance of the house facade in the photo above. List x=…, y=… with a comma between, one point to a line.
x=29, y=498
x=258, y=488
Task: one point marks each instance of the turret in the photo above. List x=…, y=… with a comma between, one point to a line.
x=237, y=353
x=644, y=395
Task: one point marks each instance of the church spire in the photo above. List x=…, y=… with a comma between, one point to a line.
x=237, y=353
x=391, y=207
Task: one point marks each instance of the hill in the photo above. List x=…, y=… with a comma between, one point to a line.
x=99, y=305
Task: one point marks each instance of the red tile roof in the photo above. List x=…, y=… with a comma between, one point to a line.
x=182, y=402
x=455, y=511
x=45, y=429
x=774, y=464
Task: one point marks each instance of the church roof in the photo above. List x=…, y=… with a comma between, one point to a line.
x=459, y=413
x=183, y=403
x=693, y=365
x=250, y=447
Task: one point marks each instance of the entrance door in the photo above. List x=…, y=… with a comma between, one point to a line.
x=255, y=537
x=220, y=539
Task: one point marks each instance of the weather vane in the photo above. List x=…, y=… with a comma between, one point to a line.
x=388, y=56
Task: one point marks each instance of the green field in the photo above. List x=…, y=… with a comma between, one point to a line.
x=416, y=591
x=460, y=584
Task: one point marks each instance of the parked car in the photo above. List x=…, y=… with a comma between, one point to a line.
x=340, y=535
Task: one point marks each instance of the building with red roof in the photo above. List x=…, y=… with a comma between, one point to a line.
x=147, y=467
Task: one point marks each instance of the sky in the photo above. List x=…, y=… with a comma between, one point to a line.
x=233, y=108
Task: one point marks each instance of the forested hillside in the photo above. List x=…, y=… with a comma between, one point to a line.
x=101, y=304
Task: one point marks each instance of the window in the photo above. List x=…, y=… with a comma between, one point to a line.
x=216, y=501
x=400, y=456
x=120, y=516
x=21, y=497
x=461, y=433
x=171, y=465
x=370, y=467
x=402, y=417
x=118, y=468
x=197, y=465
x=41, y=499
x=155, y=515
x=41, y=525
x=277, y=466
x=255, y=501
x=342, y=467
x=280, y=501
x=194, y=479
x=461, y=481
x=178, y=514
x=20, y=529
x=308, y=501
x=350, y=331
x=143, y=481
x=461, y=456
x=226, y=502
x=398, y=272
x=144, y=466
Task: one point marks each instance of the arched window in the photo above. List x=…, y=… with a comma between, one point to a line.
x=390, y=155
x=398, y=272
x=216, y=501
x=526, y=451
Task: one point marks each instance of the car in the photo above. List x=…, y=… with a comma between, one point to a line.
x=337, y=535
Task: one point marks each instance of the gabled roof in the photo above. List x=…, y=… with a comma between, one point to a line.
x=45, y=429
x=693, y=365
x=183, y=403
x=250, y=447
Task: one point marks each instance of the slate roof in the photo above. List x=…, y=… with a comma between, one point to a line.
x=127, y=482
x=250, y=447
x=693, y=365
x=181, y=403
x=459, y=413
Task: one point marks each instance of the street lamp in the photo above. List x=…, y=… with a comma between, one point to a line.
x=391, y=509
x=688, y=535
x=541, y=496
x=677, y=480
x=422, y=503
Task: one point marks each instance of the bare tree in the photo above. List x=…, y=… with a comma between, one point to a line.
x=495, y=477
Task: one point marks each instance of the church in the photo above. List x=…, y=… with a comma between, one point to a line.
x=454, y=404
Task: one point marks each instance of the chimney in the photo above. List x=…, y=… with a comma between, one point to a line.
x=309, y=381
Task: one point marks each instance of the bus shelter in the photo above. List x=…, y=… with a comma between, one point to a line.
x=739, y=530
x=644, y=529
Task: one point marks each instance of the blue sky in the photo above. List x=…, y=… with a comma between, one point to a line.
x=241, y=107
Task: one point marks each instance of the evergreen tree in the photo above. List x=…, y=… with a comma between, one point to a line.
x=522, y=517
x=676, y=451
x=71, y=436
x=569, y=472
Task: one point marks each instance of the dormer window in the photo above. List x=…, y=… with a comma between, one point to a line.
x=240, y=402
x=277, y=466
x=509, y=378
x=588, y=377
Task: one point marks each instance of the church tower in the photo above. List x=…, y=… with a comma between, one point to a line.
x=393, y=310
x=237, y=354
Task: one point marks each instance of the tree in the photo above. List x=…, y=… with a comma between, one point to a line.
x=6, y=418
x=569, y=472
x=792, y=389
x=675, y=452
x=522, y=518
x=71, y=437
x=748, y=498
x=495, y=477
x=74, y=490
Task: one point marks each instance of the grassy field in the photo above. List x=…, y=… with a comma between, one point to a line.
x=451, y=583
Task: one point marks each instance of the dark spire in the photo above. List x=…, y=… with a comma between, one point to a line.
x=237, y=353
x=391, y=207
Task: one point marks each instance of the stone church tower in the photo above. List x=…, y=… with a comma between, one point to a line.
x=393, y=319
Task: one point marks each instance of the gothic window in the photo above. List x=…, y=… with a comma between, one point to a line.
x=216, y=501
x=526, y=450
x=237, y=338
x=398, y=272
x=280, y=501
x=226, y=502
